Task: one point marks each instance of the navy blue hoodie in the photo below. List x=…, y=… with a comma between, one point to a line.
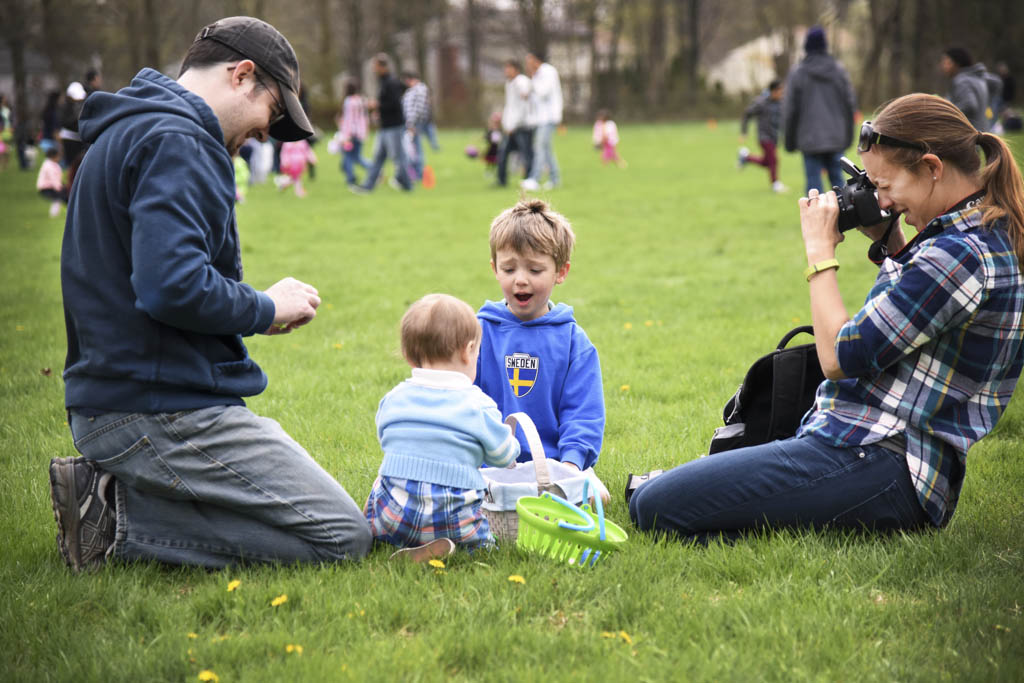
x=548, y=369
x=150, y=266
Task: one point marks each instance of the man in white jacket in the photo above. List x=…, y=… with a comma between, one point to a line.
x=546, y=114
x=518, y=133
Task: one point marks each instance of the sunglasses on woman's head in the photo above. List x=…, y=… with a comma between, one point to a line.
x=869, y=136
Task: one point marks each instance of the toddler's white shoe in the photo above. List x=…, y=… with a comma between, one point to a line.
x=54, y=209
x=778, y=187
x=530, y=185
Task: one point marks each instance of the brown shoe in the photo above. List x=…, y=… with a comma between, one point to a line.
x=439, y=547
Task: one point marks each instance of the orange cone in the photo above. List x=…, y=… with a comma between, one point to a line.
x=428, y=178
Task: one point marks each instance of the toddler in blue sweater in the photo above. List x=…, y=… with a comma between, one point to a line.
x=436, y=429
x=534, y=358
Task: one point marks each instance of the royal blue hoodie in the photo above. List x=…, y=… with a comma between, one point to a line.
x=150, y=266
x=548, y=369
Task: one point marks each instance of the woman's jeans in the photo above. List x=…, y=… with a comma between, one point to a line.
x=352, y=158
x=796, y=483
x=218, y=486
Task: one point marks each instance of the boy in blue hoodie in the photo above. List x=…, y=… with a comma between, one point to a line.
x=534, y=358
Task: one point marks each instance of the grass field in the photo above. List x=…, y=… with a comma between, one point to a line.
x=686, y=270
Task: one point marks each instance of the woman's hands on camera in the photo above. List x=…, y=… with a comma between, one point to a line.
x=819, y=214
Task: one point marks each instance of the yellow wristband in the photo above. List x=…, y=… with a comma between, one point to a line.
x=820, y=266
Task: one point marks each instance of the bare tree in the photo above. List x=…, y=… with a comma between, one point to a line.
x=354, y=23
x=532, y=13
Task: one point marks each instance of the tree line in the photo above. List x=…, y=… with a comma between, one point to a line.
x=644, y=58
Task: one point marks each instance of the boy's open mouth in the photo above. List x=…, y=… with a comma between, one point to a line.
x=523, y=298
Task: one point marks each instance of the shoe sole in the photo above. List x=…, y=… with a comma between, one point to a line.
x=64, y=496
x=439, y=547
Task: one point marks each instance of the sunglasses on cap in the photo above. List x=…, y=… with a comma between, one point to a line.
x=869, y=136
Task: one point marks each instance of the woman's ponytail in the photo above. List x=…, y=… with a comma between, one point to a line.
x=1004, y=189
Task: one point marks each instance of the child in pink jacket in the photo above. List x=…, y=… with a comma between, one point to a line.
x=50, y=182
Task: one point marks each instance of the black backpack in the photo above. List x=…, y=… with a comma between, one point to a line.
x=777, y=391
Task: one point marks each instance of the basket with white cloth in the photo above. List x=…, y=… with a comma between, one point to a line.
x=505, y=486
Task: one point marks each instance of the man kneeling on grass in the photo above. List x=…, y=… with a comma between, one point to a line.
x=176, y=468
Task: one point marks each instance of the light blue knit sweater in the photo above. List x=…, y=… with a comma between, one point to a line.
x=438, y=427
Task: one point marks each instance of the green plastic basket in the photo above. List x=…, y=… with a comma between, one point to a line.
x=554, y=527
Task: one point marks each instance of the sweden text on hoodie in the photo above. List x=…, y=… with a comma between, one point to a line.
x=150, y=265
x=548, y=369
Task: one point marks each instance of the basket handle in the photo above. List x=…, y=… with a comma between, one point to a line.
x=597, y=503
x=588, y=521
x=540, y=466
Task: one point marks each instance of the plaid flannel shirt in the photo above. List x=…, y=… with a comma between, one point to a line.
x=416, y=105
x=933, y=356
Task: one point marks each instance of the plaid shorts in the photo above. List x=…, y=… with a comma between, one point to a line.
x=407, y=513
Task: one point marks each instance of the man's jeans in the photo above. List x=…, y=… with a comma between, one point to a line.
x=389, y=146
x=814, y=164
x=519, y=140
x=796, y=483
x=544, y=154
x=218, y=486
x=352, y=158
x=423, y=130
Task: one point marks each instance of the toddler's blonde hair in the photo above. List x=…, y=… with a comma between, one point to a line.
x=437, y=327
x=532, y=225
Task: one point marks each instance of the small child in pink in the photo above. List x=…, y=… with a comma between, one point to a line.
x=606, y=138
x=50, y=182
x=294, y=157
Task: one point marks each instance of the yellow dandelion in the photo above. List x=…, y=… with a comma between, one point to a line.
x=607, y=634
x=289, y=648
x=330, y=306
x=627, y=326
x=19, y=328
x=438, y=564
x=279, y=600
x=337, y=346
x=232, y=585
x=193, y=636
x=207, y=675
x=515, y=578
x=649, y=323
x=625, y=637
x=624, y=387
x=362, y=613
x=795, y=319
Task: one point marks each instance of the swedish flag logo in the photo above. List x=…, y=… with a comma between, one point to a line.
x=521, y=369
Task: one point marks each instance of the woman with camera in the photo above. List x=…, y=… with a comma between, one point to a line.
x=917, y=376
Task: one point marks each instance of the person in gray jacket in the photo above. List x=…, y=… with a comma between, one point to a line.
x=971, y=87
x=818, y=111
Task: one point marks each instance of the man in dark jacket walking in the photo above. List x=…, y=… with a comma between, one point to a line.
x=818, y=111
x=971, y=86
x=392, y=128
x=176, y=469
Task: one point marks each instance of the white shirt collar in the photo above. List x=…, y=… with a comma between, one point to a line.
x=440, y=379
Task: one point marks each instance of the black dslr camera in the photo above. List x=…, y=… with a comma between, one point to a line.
x=858, y=200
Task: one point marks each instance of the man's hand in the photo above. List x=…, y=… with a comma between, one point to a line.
x=295, y=304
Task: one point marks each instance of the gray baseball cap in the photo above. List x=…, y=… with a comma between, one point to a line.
x=262, y=43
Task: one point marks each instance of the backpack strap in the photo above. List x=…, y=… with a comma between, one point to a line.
x=792, y=333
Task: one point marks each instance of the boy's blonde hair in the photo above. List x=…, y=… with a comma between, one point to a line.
x=437, y=327
x=532, y=225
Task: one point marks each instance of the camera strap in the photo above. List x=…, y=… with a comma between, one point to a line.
x=879, y=250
